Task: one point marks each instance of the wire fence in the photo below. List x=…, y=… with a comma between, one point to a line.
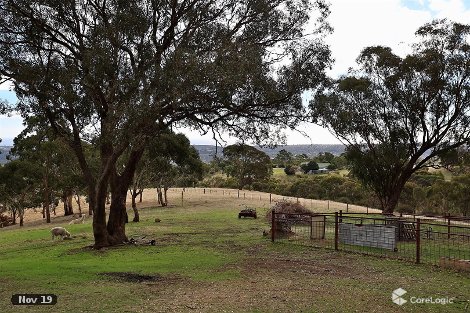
x=440, y=240
x=263, y=199
x=422, y=241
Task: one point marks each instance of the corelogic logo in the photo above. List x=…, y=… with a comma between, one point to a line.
x=397, y=298
x=397, y=295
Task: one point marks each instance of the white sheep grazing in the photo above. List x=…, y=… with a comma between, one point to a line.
x=77, y=220
x=59, y=231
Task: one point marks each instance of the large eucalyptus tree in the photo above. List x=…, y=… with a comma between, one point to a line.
x=397, y=115
x=114, y=73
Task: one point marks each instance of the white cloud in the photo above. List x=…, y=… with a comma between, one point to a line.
x=362, y=23
x=6, y=86
x=456, y=10
x=10, y=126
x=316, y=135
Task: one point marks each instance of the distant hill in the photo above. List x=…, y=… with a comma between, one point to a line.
x=207, y=152
x=4, y=150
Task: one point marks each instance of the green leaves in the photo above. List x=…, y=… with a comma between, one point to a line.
x=247, y=164
x=398, y=114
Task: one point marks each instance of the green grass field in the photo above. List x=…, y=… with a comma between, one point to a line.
x=208, y=260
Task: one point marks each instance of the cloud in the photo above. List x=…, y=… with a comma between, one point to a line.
x=362, y=23
x=456, y=10
x=6, y=86
x=11, y=126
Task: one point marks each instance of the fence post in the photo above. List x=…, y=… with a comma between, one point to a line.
x=311, y=227
x=270, y=198
x=448, y=227
x=340, y=215
x=347, y=207
x=238, y=193
x=336, y=230
x=418, y=241
x=273, y=225
x=182, y=198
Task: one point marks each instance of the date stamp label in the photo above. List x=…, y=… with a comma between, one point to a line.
x=34, y=299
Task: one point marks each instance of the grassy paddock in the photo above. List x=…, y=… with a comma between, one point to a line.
x=208, y=260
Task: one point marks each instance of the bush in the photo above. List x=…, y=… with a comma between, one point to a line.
x=289, y=170
x=5, y=220
x=310, y=166
x=287, y=207
x=283, y=210
x=219, y=182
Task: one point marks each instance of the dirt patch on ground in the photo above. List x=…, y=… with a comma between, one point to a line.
x=274, y=282
x=131, y=277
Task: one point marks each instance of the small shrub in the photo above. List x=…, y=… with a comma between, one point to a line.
x=290, y=170
x=5, y=220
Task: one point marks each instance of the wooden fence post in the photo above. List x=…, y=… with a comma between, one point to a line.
x=448, y=227
x=311, y=227
x=270, y=198
x=418, y=241
x=273, y=225
x=336, y=230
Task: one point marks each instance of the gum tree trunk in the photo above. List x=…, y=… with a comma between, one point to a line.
x=67, y=198
x=114, y=232
x=390, y=200
x=134, y=206
x=100, y=232
x=116, y=226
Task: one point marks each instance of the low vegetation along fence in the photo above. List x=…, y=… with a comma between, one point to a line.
x=419, y=240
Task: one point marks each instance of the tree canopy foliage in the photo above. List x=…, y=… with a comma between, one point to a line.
x=54, y=161
x=398, y=115
x=19, y=182
x=283, y=158
x=168, y=160
x=115, y=73
x=247, y=164
x=309, y=166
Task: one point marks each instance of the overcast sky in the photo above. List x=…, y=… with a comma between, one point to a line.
x=357, y=24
